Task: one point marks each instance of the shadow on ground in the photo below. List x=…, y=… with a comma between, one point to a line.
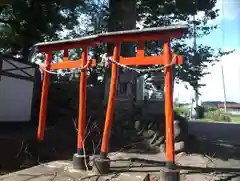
x=218, y=149
x=20, y=148
x=217, y=140
x=152, y=166
x=19, y=143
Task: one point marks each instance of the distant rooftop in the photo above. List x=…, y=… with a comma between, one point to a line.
x=233, y=106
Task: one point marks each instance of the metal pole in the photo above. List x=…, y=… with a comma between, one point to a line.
x=224, y=90
x=223, y=81
x=195, y=50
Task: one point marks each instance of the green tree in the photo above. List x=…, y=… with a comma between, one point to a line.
x=161, y=13
x=32, y=21
x=123, y=14
x=24, y=23
x=196, y=62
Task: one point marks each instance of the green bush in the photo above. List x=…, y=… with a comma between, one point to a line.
x=209, y=108
x=217, y=115
x=181, y=111
x=201, y=110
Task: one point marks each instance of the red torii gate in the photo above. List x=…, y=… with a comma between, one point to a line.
x=149, y=34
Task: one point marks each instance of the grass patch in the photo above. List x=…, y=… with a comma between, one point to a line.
x=235, y=118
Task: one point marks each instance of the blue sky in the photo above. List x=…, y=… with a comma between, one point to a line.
x=229, y=22
x=227, y=36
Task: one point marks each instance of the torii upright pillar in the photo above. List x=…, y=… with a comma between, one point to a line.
x=80, y=157
x=102, y=163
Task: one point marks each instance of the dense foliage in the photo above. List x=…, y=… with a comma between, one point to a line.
x=31, y=21
x=23, y=23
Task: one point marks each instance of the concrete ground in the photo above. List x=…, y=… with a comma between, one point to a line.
x=126, y=166
x=216, y=153
x=63, y=171
x=215, y=156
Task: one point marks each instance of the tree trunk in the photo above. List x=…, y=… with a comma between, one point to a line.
x=123, y=16
x=26, y=52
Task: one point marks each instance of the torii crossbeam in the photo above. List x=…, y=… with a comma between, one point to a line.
x=140, y=36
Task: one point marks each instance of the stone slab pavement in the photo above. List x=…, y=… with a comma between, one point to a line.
x=63, y=171
x=129, y=166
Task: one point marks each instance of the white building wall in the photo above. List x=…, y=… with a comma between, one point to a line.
x=15, y=95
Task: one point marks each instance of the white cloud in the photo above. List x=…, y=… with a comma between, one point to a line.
x=214, y=87
x=181, y=93
x=228, y=9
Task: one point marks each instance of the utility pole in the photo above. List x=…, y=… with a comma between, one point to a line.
x=195, y=50
x=223, y=81
x=224, y=90
x=238, y=83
